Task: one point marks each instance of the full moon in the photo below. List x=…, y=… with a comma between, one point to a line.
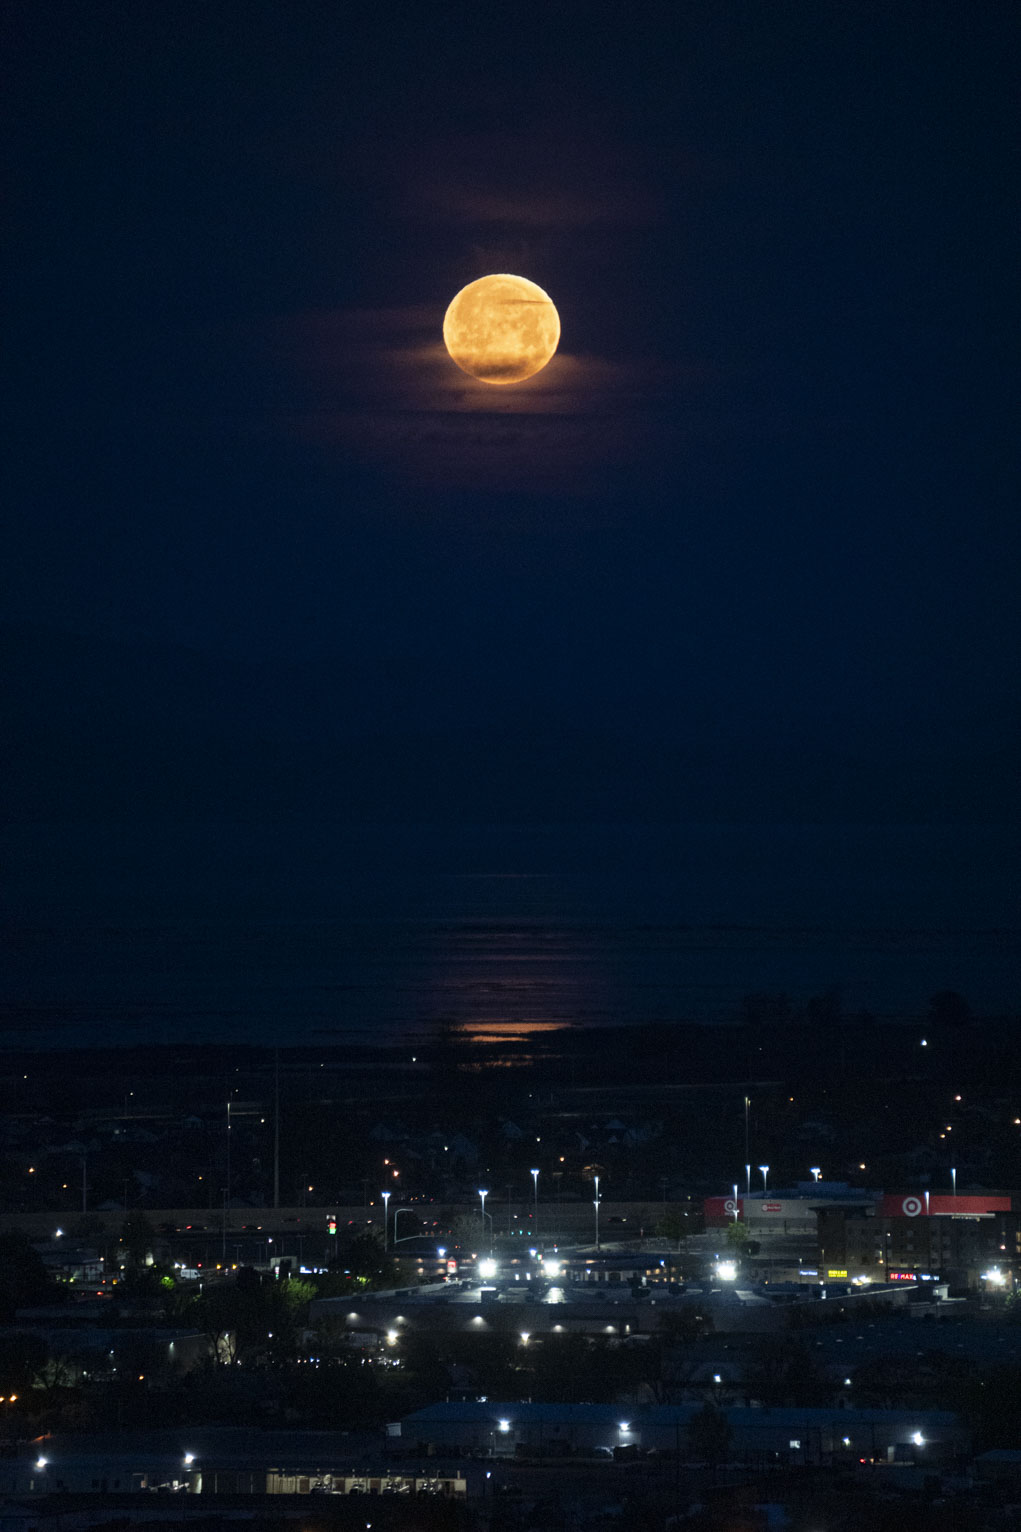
x=501, y=329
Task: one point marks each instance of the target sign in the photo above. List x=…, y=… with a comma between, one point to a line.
x=730, y=1206
x=911, y=1207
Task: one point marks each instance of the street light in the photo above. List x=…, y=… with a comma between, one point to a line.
x=482, y=1198
x=386, y=1219
x=815, y=1171
x=397, y=1214
x=535, y=1182
x=596, y=1206
x=765, y=1173
x=953, y=1178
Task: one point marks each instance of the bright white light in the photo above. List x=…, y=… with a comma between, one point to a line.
x=717, y=1378
x=551, y=1267
x=918, y=1439
x=487, y=1269
x=625, y=1425
x=504, y=1425
x=995, y=1277
x=392, y=1337
x=524, y=1337
x=41, y=1462
x=189, y=1458
x=441, y=1251
x=726, y=1271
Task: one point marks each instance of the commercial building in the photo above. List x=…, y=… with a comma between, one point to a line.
x=213, y=1461
x=828, y=1231
x=758, y=1437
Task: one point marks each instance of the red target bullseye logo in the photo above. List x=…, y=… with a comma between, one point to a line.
x=911, y=1207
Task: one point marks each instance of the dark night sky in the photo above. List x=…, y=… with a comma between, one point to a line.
x=747, y=548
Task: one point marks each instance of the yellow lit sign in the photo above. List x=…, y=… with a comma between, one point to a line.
x=835, y=1273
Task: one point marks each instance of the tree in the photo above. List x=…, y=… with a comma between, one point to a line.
x=138, y=1238
x=684, y=1324
x=24, y=1280
x=366, y=1258
x=23, y=1355
x=783, y=1372
x=709, y=1435
x=737, y=1235
x=672, y=1225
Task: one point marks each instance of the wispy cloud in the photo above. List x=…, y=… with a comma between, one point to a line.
x=379, y=385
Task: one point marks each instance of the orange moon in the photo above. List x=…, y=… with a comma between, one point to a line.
x=501, y=329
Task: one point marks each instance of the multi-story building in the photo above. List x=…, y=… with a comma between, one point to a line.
x=966, y=1241
x=829, y=1231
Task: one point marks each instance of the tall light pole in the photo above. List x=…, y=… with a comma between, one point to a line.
x=386, y=1219
x=747, y=1109
x=482, y=1198
x=765, y=1173
x=815, y=1171
x=748, y=1179
x=595, y=1204
x=535, y=1182
x=735, y=1202
x=953, y=1178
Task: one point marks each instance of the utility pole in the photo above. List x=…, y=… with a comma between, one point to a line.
x=227, y=1188
x=276, y=1127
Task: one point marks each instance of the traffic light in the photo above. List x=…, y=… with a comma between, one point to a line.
x=331, y=1224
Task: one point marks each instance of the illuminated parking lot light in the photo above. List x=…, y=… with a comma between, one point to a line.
x=504, y=1425
x=726, y=1271
x=918, y=1439
x=189, y=1458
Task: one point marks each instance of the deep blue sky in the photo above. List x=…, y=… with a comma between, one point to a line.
x=751, y=541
